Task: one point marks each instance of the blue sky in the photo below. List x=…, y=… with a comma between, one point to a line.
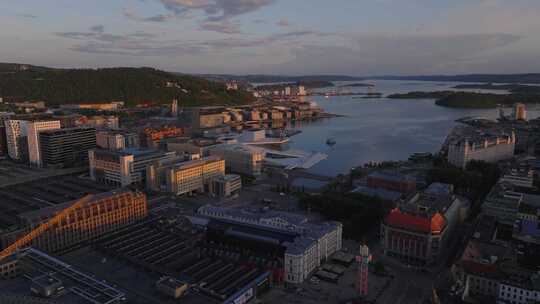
x=356, y=37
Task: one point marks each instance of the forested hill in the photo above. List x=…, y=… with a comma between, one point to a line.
x=132, y=85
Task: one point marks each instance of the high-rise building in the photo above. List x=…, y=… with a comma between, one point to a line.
x=363, y=260
x=22, y=138
x=66, y=147
x=14, y=136
x=174, y=107
x=123, y=167
x=520, y=112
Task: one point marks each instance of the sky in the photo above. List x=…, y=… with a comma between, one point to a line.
x=293, y=37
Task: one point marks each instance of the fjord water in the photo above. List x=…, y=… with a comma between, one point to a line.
x=382, y=129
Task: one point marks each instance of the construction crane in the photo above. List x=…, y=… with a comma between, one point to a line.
x=28, y=238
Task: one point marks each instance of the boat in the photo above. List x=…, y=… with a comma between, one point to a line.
x=330, y=141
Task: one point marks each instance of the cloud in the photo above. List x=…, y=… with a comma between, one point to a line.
x=97, y=41
x=389, y=54
x=283, y=23
x=30, y=16
x=224, y=27
x=215, y=10
x=156, y=18
x=263, y=42
x=97, y=29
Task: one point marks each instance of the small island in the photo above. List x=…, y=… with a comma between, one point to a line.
x=421, y=95
x=471, y=100
x=512, y=88
x=359, y=84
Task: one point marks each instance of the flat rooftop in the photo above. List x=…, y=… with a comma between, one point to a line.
x=43, y=193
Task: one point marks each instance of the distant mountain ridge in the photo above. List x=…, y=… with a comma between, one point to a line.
x=532, y=78
x=132, y=85
x=261, y=78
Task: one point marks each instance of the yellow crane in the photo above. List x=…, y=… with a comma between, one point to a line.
x=27, y=239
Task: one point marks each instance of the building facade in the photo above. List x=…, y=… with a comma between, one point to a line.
x=488, y=148
x=66, y=147
x=117, y=140
x=418, y=231
x=226, y=185
x=194, y=176
x=241, y=159
x=14, y=133
x=307, y=246
x=123, y=167
x=33, y=129
x=22, y=137
x=104, y=213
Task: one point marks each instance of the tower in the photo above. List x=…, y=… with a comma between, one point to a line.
x=363, y=270
x=174, y=107
x=520, y=112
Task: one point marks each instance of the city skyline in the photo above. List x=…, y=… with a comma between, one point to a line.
x=275, y=36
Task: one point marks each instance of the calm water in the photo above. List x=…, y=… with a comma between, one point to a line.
x=382, y=129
